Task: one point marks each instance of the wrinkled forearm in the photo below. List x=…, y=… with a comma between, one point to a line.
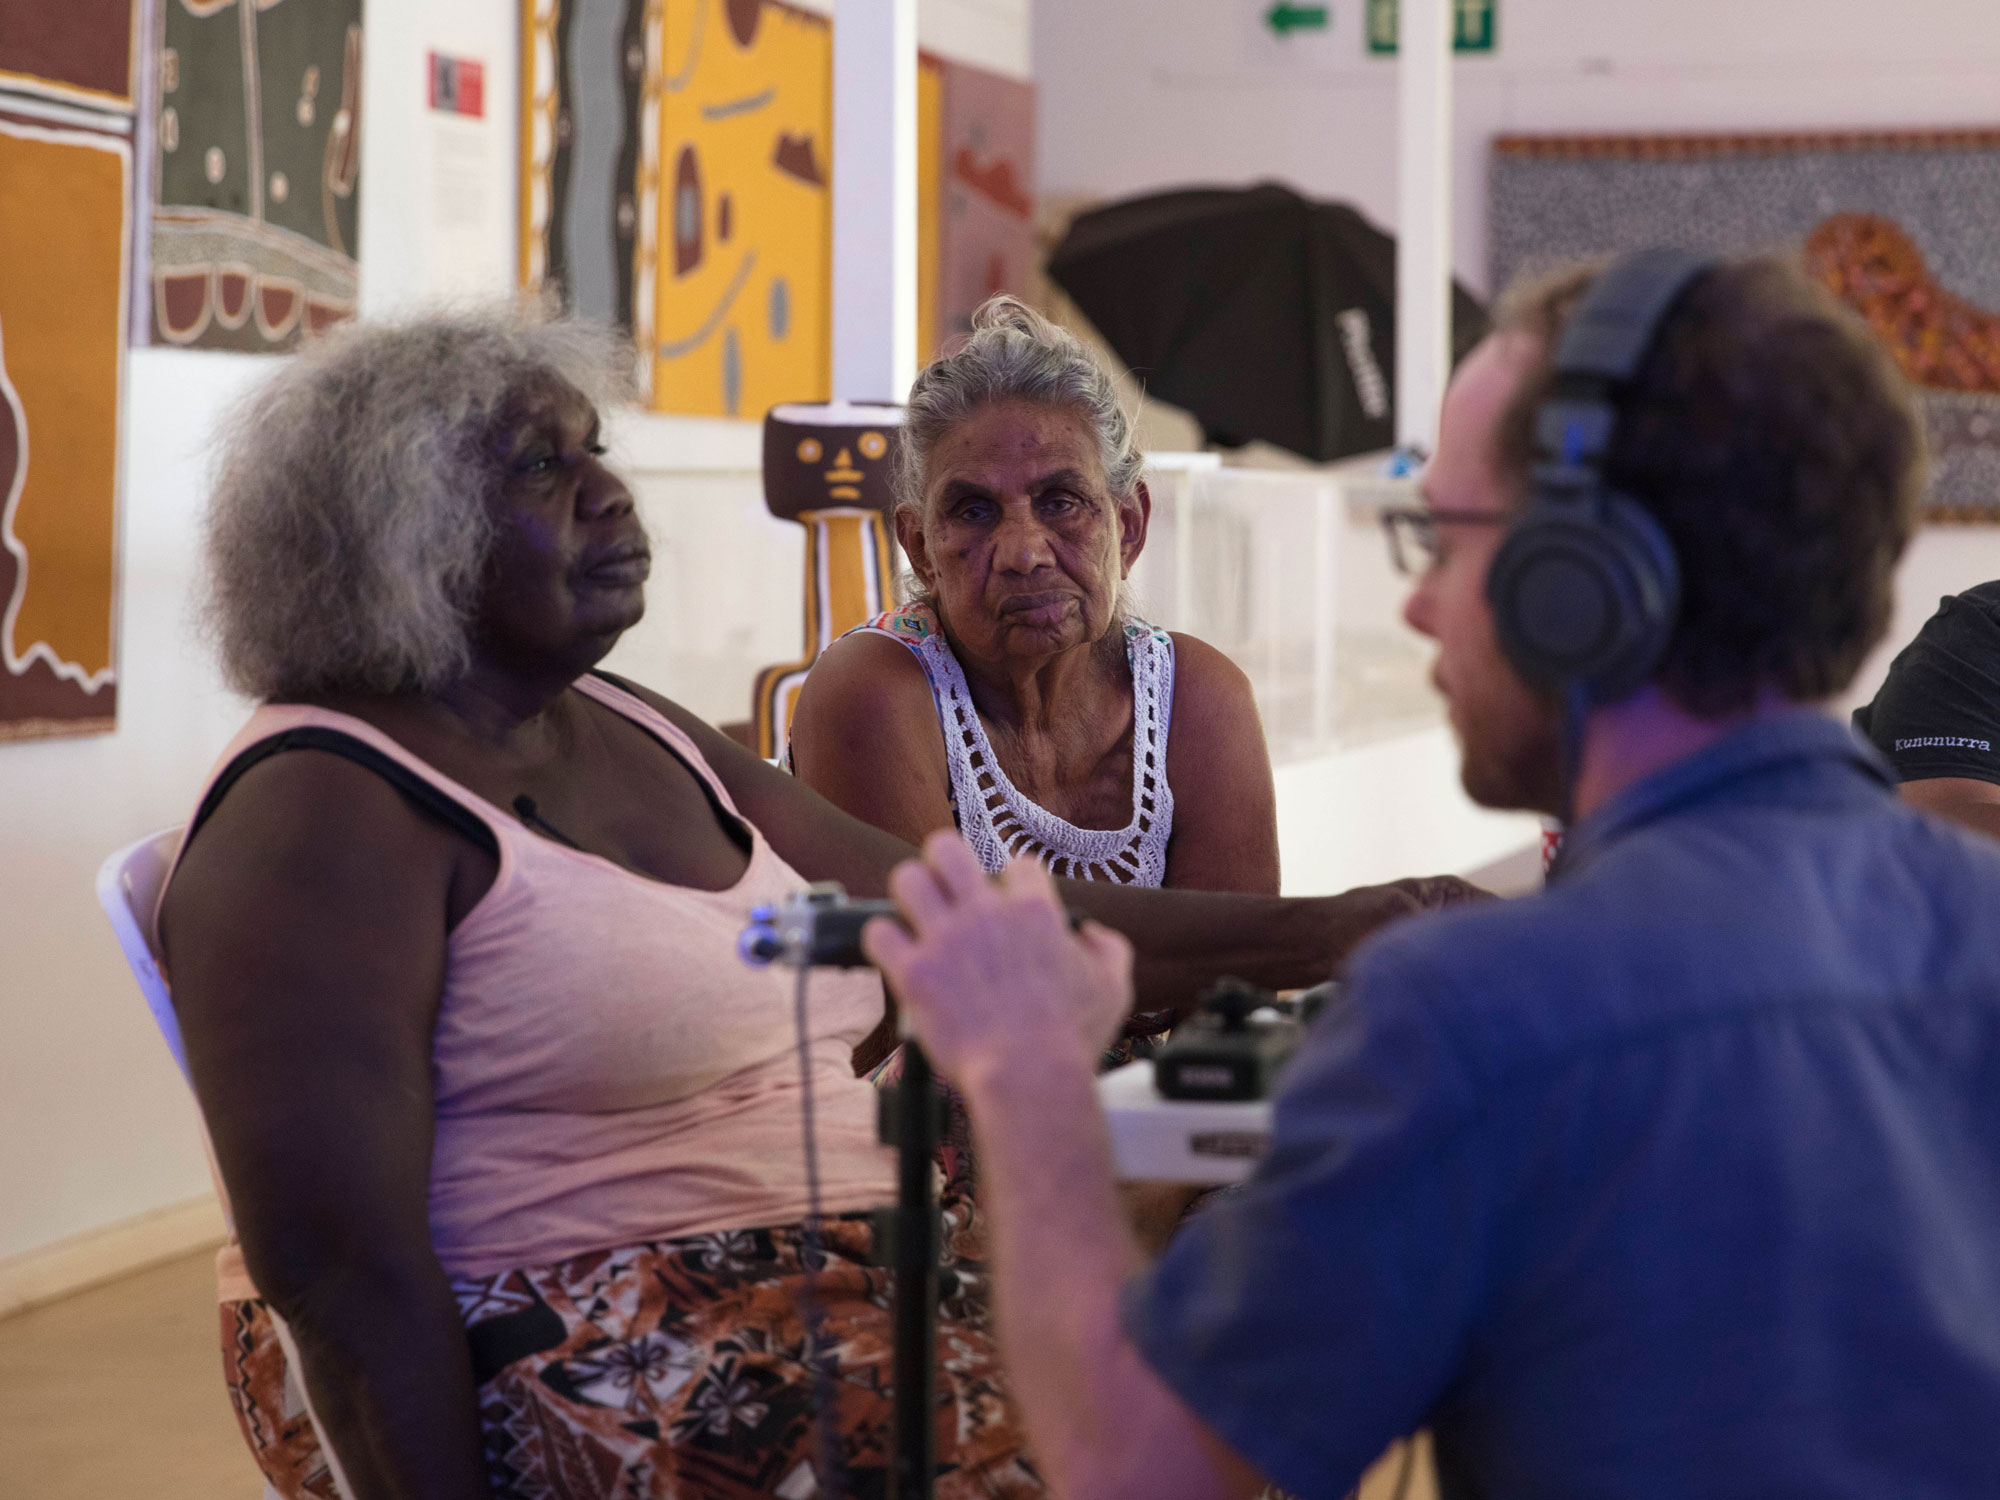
x=389, y=1375
x=1185, y=940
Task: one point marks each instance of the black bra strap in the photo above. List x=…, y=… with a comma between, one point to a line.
x=427, y=796
x=732, y=823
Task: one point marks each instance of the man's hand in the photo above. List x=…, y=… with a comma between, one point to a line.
x=989, y=969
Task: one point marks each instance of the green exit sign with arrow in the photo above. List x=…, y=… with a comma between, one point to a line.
x=1474, y=25
x=1284, y=18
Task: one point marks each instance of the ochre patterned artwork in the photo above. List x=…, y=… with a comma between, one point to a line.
x=76, y=52
x=1940, y=340
x=1904, y=226
x=256, y=151
x=64, y=195
x=930, y=202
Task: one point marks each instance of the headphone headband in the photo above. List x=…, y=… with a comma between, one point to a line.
x=1613, y=328
x=1586, y=588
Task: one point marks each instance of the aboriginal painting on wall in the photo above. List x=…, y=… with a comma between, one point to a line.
x=986, y=172
x=256, y=157
x=590, y=155
x=675, y=182
x=1903, y=226
x=742, y=317
x=66, y=118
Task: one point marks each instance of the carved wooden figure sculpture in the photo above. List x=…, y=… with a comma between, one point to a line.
x=827, y=467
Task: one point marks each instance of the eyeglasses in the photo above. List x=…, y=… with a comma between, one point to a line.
x=1413, y=536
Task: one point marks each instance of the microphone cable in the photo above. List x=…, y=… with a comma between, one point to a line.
x=1576, y=717
x=831, y=1480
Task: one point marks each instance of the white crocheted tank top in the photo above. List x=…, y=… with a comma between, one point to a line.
x=997, y=820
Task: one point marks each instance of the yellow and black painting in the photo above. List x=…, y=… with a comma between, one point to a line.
x=742, y=320
x=676, y=163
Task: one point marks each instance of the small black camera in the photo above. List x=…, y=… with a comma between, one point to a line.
x=1235, y=1046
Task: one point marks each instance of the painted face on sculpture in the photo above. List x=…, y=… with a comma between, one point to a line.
x=1508, y=734
x=829, y=457
x=1021, y=542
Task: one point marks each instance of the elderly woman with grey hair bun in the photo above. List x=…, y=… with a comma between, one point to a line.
x=511, y=1139
x=1014, y=697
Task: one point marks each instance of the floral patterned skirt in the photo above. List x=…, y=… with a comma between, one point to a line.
x=676, y=1370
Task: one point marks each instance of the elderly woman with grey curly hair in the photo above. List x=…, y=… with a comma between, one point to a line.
x=1015, y=698
x=511, y=1140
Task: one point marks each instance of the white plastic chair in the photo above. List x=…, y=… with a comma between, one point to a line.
x=128, y=888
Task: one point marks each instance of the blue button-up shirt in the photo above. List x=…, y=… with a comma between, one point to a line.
x=1679, y=1180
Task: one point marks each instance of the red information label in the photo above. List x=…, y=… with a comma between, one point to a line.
x=458, y=86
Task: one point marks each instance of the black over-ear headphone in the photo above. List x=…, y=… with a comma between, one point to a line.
x=1586, y=588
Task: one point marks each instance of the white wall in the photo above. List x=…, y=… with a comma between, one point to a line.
x=95, y=1123
x=989, y=34
x=439, y=192
x=1176, y=92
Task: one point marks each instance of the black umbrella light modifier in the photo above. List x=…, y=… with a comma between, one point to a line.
x=1263, y=313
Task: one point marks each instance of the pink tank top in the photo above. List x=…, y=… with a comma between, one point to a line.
x=606, y=1069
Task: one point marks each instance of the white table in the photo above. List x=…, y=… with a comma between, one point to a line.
x=1174, y=1140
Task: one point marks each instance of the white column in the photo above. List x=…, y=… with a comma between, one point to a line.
x=874, y=199
x=1423, y=218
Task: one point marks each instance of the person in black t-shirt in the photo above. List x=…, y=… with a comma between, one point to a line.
x=1937, y=715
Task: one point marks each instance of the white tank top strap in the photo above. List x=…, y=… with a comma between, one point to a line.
x=997, y=819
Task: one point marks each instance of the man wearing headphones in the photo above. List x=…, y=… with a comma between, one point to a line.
x=1680, y=1179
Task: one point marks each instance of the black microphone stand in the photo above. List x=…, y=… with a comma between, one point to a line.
x=822, y=926
x=910, y=1124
